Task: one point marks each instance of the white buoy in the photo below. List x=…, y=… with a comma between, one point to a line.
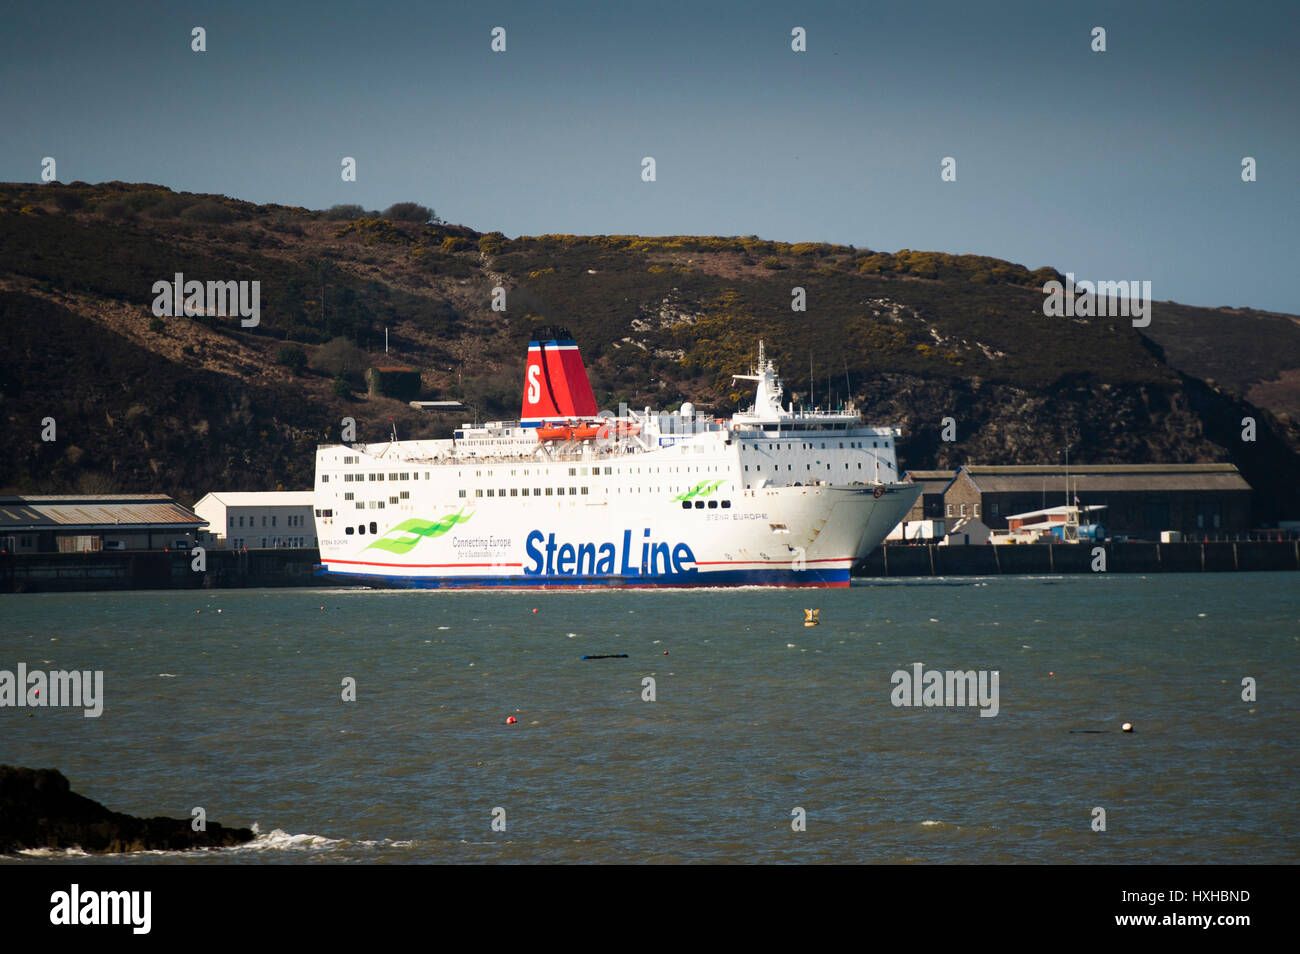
x=1126, y=727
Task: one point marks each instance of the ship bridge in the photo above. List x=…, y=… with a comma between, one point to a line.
x=781, y=445
x=768, y=415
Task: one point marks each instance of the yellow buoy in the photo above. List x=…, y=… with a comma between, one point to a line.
x=810, y=617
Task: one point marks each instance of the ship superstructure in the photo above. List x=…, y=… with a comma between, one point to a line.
x=570, y=497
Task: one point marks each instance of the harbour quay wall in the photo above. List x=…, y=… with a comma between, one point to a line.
x=156, y=570
x=162, y=570
x=1047, y=558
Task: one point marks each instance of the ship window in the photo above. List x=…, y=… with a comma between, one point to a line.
x=573, y=491
x=392, y=476
x=713, y=505
x=405, y=495
x=462, y=493
x=362, y=529
x=348, y=531
x=875, y=443
x=686, y=505
x=374, y=527
x=608, y=470
x=573, y=471
x=514, y=492
x=478, y=493
x=726, y=505
x=537, y=491
x=324, y=478
x=559, y=491
x=585, y=489
x=318, y=511
x=491, y=492
x=361, y=505
x=699, y=505
x=859, y=466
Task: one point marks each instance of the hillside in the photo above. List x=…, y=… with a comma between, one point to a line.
x=186, y=405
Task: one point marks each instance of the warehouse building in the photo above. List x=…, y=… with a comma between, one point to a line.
x=930, y=505
x=82, y=523
x=1141, y=500
x=251, y=520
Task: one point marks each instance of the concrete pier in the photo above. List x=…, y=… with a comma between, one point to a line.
x=1048, y=558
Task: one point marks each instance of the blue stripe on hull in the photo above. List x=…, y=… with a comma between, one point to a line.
x=783, y=577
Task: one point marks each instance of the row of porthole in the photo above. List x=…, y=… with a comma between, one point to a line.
x=374, y=528
x=712, y=504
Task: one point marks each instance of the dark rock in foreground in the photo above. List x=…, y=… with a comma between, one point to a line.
x=39, y=810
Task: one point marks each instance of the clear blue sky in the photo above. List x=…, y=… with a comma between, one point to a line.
x=1117, y=165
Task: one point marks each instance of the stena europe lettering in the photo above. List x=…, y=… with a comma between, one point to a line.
x=651, y=558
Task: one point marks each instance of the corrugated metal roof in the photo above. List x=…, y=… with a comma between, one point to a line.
x=21, y=515
x=1099, y=478
x=66, y=511
x=1100, y=468
x=932, y=481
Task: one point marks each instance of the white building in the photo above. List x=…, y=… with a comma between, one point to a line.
x=967, y=531
x=241, y=521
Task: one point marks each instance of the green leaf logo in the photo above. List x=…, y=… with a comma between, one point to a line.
x=403, y=538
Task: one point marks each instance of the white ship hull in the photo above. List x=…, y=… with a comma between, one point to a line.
x=790, y=536
x=770, y=497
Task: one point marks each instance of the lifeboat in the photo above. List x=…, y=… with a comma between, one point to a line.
x=555, y=432
x=585, y=430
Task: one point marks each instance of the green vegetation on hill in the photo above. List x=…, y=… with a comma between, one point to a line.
x=186, y=405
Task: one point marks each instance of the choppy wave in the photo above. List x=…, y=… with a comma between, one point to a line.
x=275, y=840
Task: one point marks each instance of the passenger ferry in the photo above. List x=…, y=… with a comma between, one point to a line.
x=571, y=497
